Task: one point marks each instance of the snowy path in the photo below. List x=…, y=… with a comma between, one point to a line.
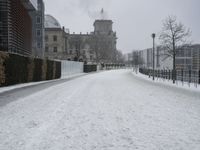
x=106, y=111
x=13, y=93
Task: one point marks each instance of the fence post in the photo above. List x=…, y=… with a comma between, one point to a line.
x=164, y=74
x=189, y=76
x=199, y=76
x=149, y=73
x=182, y=75
x=168, y=74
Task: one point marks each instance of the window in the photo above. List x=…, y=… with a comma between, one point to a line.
x=46, y=38
x=38, y=32
x=46, y=48
x=55, y=38
x=55, y=49
x=38, y=45
x=38, y=19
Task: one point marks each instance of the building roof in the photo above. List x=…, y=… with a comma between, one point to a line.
x=51, y=22
x=30, y=5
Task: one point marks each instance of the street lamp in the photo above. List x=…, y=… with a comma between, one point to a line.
x=153, y=36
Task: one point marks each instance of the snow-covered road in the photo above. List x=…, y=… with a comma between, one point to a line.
x=111, y=110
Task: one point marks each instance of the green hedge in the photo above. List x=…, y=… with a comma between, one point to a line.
x=15, y=69
x=90, y=68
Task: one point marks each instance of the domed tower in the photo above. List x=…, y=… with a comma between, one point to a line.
x=103, y=26
x=51, y=22
x=105, y=38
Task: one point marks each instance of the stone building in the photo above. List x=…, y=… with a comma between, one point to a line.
x=95, y=47
x=55, y=39
x=16, y=26
x=104, y=41
x=79, y=47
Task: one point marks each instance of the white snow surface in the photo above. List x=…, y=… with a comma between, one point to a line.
x=111, y=110
x=189, y=87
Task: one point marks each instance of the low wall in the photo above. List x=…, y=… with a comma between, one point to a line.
x=15, y=69
x=70, y=68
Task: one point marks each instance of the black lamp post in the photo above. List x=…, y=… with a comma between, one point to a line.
x=153, y=36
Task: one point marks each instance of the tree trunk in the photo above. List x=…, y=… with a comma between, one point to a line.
x=174, y=63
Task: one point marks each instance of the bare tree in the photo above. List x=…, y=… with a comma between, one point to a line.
x=174, y=34
x=119, y=57
x=102, y=48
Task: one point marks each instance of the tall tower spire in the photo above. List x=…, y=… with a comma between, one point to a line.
x=102, y=14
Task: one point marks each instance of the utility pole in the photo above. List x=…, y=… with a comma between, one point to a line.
x=153, y=36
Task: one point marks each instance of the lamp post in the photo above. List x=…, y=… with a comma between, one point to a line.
x=153, y=36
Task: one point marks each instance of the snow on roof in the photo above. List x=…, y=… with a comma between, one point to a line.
x=51, y=22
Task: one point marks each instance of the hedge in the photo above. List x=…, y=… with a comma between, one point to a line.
x=90, y=68
x=15, y=69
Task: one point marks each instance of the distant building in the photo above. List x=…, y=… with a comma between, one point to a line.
x=16, y=26
x=80, y=47
x=106, y=40
x=55, y=39
x=187, y=58
x=38, y=43
x=95, y=47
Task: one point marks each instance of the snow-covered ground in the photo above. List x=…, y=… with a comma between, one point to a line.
x=112, y=110
x=188, y=87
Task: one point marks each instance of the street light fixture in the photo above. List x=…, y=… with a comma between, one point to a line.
x=153, y=36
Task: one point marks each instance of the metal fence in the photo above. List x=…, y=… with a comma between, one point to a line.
x=189, y=76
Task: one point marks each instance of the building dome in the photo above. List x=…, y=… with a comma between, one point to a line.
x=51, y=22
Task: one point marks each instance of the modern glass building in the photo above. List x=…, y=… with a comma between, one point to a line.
x=16, y=26
x=38, y=44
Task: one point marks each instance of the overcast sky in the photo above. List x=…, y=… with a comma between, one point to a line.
x=134, y=20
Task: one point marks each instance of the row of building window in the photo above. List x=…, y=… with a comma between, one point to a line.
x=55, y=49
x=55, y=38
x=38, y=20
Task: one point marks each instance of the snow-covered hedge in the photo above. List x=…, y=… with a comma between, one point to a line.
x=90, y=68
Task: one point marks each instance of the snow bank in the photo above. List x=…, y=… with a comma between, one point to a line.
x=191, y=88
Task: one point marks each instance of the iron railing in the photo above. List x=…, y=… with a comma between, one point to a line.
x=188, y=76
